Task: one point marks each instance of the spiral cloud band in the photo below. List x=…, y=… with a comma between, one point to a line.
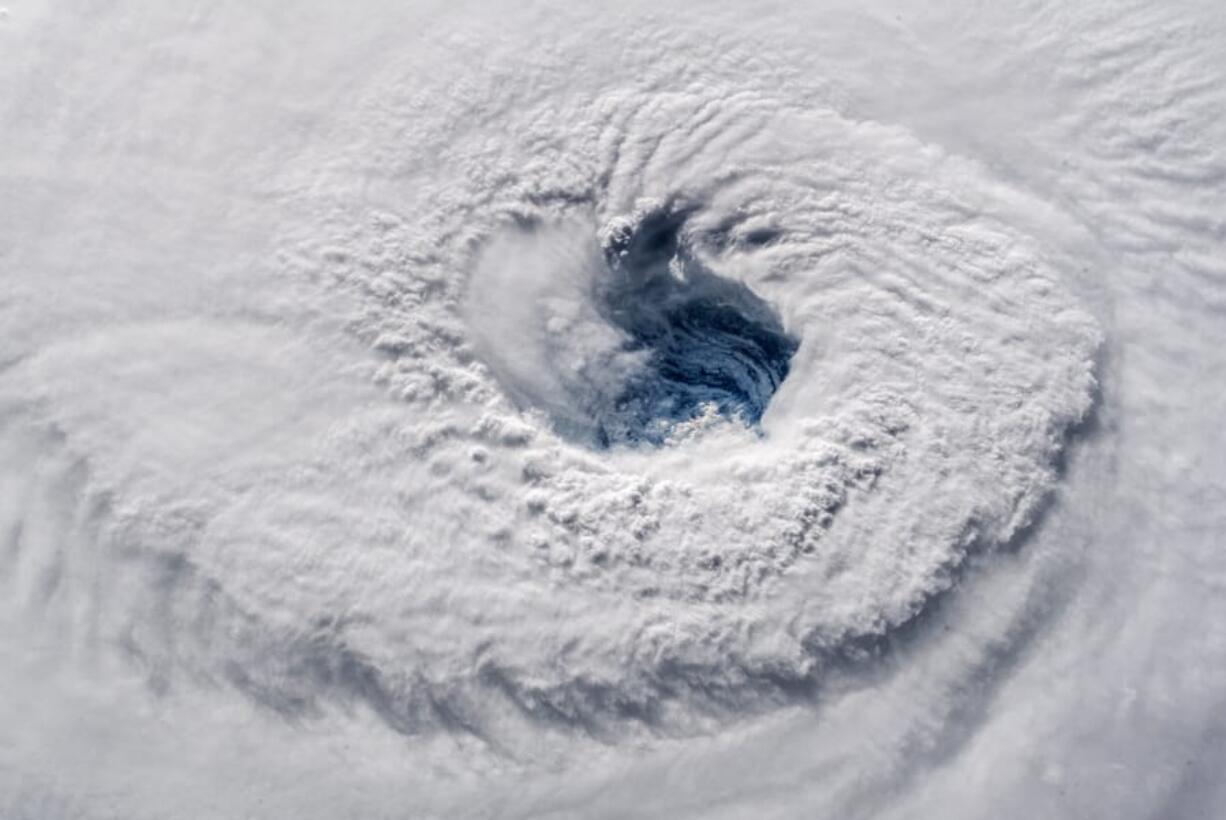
x=435, y=410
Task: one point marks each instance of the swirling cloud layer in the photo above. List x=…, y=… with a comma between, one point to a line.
x=473, y=412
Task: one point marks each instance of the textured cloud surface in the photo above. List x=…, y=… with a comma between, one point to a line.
x=435, y=410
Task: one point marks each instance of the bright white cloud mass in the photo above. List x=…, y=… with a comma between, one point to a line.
x=560, y=410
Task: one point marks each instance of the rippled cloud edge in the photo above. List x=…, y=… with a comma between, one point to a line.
x=274, y=520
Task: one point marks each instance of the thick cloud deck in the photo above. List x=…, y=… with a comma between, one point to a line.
x=489, y=556
x=487, y=392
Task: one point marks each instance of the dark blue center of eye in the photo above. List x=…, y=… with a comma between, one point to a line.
x=708, y=340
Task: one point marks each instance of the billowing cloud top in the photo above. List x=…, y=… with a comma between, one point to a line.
x=465, y=411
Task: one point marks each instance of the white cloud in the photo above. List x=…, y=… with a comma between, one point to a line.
x=297, y=305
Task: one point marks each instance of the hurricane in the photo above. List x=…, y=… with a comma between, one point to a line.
x=542, y=410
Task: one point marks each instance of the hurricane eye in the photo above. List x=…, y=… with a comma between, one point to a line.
x=628, y=341
x=709, y=343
